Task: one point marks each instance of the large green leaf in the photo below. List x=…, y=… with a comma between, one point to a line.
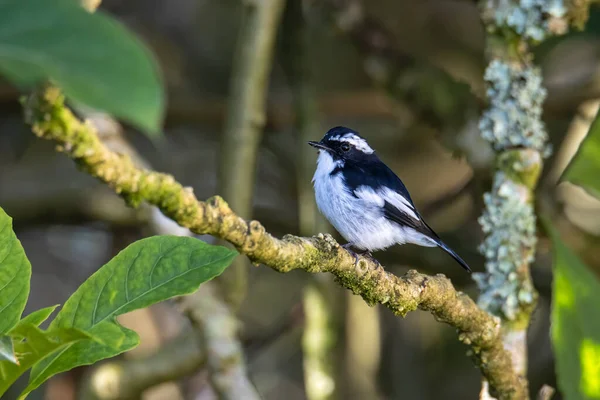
x=584, y=169
x=92, y=57
x=15, y=273
x=31, y=345
x=146, y=272
x=575, y=325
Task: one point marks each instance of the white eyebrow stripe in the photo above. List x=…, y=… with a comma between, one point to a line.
x=356, y=141
x=380, y=196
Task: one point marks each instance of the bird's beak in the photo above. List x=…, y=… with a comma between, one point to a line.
x=319, y=145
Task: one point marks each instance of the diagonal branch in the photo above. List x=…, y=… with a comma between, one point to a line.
x=51, y=120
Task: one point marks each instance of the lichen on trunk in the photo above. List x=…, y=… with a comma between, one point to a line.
x=513, y=126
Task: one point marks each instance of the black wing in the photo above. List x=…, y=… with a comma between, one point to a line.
x=375, y=174
x=393, y=214
x=401, y=218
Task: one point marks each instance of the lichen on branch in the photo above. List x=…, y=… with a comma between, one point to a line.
x=51, y=120
x=509, y=224
x=514, y=116
x=529, y=19
x=513, y=125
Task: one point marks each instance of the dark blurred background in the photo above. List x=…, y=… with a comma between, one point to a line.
x=405, y=74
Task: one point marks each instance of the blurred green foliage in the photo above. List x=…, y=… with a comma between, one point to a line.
x=576, y=291
x=91, y=57
x=584, y=169
x=575, y=324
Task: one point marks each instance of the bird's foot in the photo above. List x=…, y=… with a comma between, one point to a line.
x=365, y=253
x=368, y=255
x=349, y=249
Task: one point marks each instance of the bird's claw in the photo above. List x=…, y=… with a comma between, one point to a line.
x=366, y=253
x=348, y=248
x=375, y=261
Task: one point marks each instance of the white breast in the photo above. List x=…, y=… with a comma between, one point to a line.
x=358, y=221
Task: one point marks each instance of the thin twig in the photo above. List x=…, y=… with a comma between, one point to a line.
x=320, y=334
x=245, y=121
x=247, y=101
x=219, y=329
x=546, y=393
x=124, y=380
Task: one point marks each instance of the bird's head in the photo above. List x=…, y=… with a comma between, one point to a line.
x=344, y=144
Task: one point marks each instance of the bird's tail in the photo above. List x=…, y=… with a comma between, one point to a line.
x=454, y=255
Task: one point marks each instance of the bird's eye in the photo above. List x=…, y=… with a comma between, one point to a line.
x=345, y=147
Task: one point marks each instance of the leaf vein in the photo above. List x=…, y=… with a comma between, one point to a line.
x=129, y=268
x=115, y=312
x=112, y=273
x=7, y=305
x=12, y=243
x=10, y=281
x=51, y=362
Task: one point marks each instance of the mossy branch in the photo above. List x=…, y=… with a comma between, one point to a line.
x=51, y=120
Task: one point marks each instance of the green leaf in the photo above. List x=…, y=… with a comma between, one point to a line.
x=148, y=271
x=575, y=324
x=584, y=168
x=15, y=273
x=91, y=57
x=6, y=343
x=31, y=344
x=7, y=351
x=37, y=317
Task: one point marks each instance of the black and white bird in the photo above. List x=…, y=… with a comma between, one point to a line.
x=364, y=200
